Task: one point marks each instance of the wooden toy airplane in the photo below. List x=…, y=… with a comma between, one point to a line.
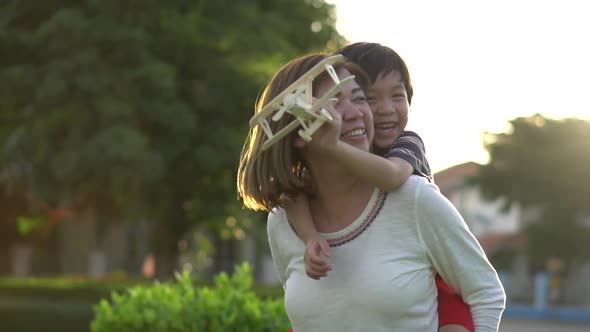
x=297, y=100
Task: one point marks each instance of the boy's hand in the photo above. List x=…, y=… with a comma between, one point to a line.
x=316, y=265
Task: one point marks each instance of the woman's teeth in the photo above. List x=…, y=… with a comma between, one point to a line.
x=355, y=132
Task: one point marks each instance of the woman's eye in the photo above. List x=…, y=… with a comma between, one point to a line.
x=361, y=99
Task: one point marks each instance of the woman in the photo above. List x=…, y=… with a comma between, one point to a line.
x=385, y=245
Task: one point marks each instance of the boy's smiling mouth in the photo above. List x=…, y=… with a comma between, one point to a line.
x=386, y=126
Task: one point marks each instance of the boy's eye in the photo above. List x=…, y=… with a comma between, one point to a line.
x=371, y=99
x=360, y=99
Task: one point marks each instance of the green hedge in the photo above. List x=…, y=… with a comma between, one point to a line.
x=183, y=306
x=46, y=304
x=83, y=288
x=57, y=316
x=74, y=288
x=66, y=304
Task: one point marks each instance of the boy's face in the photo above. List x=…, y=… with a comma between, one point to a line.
x=389, y=103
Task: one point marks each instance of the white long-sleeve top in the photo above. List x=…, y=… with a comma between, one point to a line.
x=383, y=267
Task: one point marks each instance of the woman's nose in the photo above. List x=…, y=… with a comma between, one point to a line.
x=350, y=110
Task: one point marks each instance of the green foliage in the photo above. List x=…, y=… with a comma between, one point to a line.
x=132, y=109
x=230, y=305
x=84, y=289
x=49, y=315
x=544, y=164
x=538, y=161
x=66, y=303
x=71, y=283
x=26, y=225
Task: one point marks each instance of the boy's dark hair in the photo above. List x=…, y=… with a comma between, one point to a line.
x=377, y=59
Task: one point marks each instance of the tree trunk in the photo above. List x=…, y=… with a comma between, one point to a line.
x=166, y=265
x=22, y=254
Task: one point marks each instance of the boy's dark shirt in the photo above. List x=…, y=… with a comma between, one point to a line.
x=410, y=147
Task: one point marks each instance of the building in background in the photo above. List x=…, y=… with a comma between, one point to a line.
x=502, y=235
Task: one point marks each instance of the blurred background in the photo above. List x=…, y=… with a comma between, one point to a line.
x=121, y=125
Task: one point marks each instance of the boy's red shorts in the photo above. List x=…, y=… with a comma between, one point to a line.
x=451, y=307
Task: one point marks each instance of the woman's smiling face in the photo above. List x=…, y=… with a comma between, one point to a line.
x=357, y=120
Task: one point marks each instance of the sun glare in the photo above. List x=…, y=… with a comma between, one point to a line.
x=475, y=66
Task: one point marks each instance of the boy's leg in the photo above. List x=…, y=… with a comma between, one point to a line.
x=454, y=314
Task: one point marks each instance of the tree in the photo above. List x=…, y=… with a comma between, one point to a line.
x=544, y=164
x=129, y=109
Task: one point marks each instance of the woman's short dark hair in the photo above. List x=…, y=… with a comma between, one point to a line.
x=265, y=177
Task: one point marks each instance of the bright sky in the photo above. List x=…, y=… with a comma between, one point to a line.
x=475, y=65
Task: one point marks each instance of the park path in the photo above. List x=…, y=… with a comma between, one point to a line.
x=520, y=325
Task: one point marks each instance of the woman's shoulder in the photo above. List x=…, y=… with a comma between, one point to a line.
x=275, y=225
x=282, y=237
x=277, y=217
x=278, y=225
x=417, y=184
x=415, y=189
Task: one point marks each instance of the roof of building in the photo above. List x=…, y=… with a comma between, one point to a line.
x=493, y=242
x=450, y=178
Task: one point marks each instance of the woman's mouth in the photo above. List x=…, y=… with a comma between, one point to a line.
x=353, y=133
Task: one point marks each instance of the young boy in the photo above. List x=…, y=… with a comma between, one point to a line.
x=397, y=155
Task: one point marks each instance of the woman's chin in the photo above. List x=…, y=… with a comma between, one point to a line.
x=360, y=142
x=383, y=143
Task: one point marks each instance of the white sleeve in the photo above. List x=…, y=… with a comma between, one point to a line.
x=458, y=257
x=273, y=231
